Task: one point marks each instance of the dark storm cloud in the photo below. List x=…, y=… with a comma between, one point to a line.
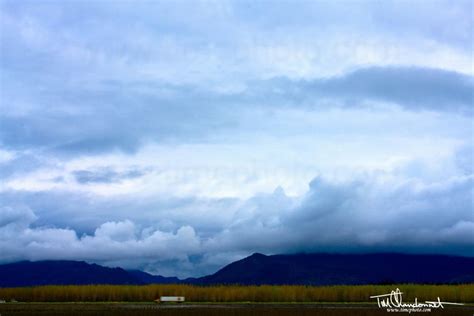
x=105, y=175
x=412, y=88
x=363, y=215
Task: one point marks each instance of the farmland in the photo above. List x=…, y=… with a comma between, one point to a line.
x=108, y=300
x=228, y=294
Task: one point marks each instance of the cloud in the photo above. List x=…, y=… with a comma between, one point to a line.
x=20, y=216
x=91, y=122
x=159, y=41
x=105, y=175
x=363, y=215
x=411, y=88
x=367, y=214
x=464, y=158
x=173, y=78
x=88, y=121
x=112, y=242
x=118, y=231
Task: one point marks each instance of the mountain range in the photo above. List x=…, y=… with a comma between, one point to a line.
x=304, y=269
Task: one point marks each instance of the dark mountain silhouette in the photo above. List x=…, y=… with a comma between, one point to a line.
x=26, y=273
x=147, y=278
x=305, y=269
x=328, y=269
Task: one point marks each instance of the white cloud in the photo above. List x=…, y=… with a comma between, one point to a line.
x=121, y=231
x=112, y=242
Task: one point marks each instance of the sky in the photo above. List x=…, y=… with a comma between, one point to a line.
x=176, y=136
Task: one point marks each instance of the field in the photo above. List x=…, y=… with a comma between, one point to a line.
x=228, y=294
x=107, y=300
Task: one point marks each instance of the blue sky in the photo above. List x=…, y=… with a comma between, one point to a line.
x=178, y=136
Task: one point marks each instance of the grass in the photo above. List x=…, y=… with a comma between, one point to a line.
x=265, y=293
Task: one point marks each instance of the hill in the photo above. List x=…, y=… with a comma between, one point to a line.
x=334, y=269
x=62, y=272
x=257, y=269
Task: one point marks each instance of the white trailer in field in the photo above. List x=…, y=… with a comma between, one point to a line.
x=170, y=299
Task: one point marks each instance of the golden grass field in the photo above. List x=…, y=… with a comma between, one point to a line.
x=264, y=293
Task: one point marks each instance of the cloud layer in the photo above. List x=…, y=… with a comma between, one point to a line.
x=175, y=140
x=365, y=215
